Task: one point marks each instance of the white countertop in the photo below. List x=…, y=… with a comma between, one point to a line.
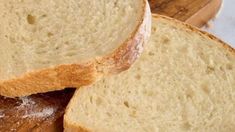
x=223, y=26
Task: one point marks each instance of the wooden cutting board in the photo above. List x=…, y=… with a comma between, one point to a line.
x=195, y=12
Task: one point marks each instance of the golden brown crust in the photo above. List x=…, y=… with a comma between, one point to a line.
x=76, y=75
x=52, y=79
x=74, y=128
x=125, y=55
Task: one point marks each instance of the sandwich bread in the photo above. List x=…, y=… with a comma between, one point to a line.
x=184, y=81
x=47, y=45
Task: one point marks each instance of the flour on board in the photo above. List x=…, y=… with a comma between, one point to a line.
x=46, y=112
x=1, y=114
x=26, y=101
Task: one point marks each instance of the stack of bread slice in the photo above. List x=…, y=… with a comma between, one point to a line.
x=183, y=81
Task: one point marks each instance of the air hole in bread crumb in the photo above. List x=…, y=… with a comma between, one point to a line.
x=149, y=93
x=31, y=19
x=57, y=47
x=42, y=46
x=229, y=66
x=12, y=40
x=186, y=126
x=223, y=75
x=39, y=52
x=115, y=3
x=109, y=115
x=114, y=91
x=98, y=101
x=91, y=100
x=151, y=54
x=154, y=29
x=133, y=114
x=180, y=98
x=221, y=68
x=126, y=104
x=66, y=43
x=145, y=92
x=138, y=77
x=229, y=57
x=184, y=49
x=165, y=40
x=189, y=93
x=44, y=62
x=70, y=54
x=49, y=34
x=205, y=88
x=210, y=69
x=44, y=15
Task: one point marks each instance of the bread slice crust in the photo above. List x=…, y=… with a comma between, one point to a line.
x=82, y=73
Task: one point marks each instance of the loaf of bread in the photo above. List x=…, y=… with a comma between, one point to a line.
x=184, y=81
x=48, y=45
x=35, y=113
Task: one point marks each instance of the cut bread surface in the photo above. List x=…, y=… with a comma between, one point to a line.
x=42, y=37
x=184, y=81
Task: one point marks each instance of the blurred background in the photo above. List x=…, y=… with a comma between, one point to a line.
x=223, y=25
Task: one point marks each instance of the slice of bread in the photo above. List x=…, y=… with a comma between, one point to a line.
x=184, y=81
x=49, y=45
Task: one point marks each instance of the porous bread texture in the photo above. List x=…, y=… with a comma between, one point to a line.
x=184, y=81
x=48, y=45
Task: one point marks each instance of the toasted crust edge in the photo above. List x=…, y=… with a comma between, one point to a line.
x=74, y=128
x=126, y=54
x=76, y=75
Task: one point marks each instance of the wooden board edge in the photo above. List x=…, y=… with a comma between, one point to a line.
x=207, y=13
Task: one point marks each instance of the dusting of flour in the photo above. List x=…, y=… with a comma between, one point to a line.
x=46, y=112
x=26, y=101
x=29, y=104
x=1, y=114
